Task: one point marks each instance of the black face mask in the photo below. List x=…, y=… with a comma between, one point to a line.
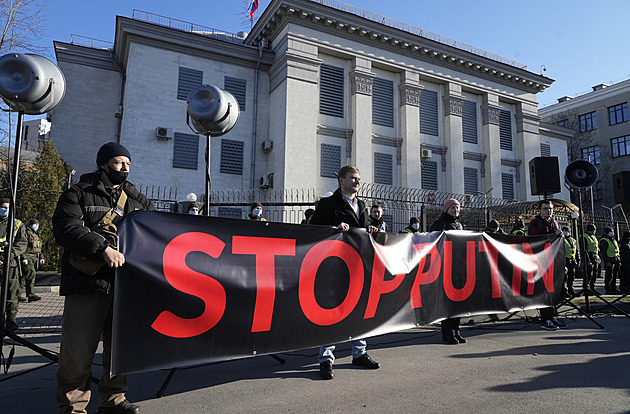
x=116, y=177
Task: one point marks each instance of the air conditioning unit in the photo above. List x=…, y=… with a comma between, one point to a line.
x=425, y=154
x=267, y=146
x=163, y=133
x=266, y=182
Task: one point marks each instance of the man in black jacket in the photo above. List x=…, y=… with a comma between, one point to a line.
x=344, y=210
x=78, y=228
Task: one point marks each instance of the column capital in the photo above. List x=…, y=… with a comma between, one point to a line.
x=491, y=114
x=361, y=82
x=453, y=104
x=410, y=94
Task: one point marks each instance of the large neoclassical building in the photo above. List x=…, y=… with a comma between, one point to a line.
x=318, y=87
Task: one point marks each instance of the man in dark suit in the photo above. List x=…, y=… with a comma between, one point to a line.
x=344, y=210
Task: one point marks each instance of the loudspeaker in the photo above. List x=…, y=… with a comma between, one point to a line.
x=621, y=187
x=544, y=174
x=212, y=110
x=580, y=174
x=30, y=83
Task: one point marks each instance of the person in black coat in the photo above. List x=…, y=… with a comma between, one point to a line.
x=449, y=220
x=344, y=210
x=624, y=271
x=78, y=227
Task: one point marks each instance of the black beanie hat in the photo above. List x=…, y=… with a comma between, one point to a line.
x=591, y=227
x=109, y=151
x=33, y=221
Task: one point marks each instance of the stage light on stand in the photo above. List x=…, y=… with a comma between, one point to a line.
x=33, y=85
x=212, y=112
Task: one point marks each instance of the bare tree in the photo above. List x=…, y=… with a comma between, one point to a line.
x=22, y=25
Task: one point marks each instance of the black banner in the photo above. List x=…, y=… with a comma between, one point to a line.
x=198, y=289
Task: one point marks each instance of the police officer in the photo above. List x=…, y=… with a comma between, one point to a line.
x=256, y=213
x=519, y=228
x=591, y=256
x=18, y=248
x=31, y=259
x=413, y=227
x=609, y=249
x=572, y=259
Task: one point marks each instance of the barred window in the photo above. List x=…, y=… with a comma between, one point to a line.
x=238, y=88
x=188, y=80
x=505, y=130
x=620, y=146
x=471, y=180
x=383, y=102
x=469, y=122
x=545, y=150
x=618, y=113
x=230, y=212
x=429, y=175
x=330, y=162
x=185, y=151
x=507, y=186
x=383, y=168
x=231, y=157
x=588, y=122
x=429, y=112
x=331, y=85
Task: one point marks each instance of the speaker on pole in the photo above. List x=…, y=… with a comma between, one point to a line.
x=544, y=174
x=581, y=174
x=621, y=187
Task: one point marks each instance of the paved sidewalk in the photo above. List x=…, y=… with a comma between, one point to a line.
x=506, y=367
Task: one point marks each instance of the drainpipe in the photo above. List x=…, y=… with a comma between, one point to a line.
x=121, y=94
x=261, y=46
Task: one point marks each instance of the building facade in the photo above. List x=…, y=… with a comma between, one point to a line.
x=600, y=133
x=318, y=86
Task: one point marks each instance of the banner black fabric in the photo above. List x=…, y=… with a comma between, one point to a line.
x=198, y=289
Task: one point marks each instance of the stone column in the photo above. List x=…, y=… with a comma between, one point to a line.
x=528, y=144
x=410, y=169
x=453, y=102
x=491, y=110
x=361, y=153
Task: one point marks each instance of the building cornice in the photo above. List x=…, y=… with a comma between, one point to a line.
x=328, y=19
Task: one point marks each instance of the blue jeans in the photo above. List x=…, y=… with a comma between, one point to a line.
x=326, y=352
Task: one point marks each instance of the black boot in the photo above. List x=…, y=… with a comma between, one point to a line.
x=12, y=325
x=458, y=337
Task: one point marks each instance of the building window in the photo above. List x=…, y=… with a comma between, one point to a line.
x=383, y=102
x=471, y=180
x=331, y=87
x=238, y=88
x=383, y=168
x=620, y=146
x=507, y=186
x=429, y=175
x=591, y=154
x=505, y=130
x=618, y=113
x=588, y=122
x=330, y=162
x=564, y=123
x=469, y=122
x=545, y=150
x=230, y=212
x=231, y=157
x=429, y=112
x=185, y=151
x=188, y=80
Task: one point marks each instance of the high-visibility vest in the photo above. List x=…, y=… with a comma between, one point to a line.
x=570, y=247
x=518, y=232
x=591, y=243
x=613, y=247
x=18, y=223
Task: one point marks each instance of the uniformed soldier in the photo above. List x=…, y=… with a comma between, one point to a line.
x=31, y=259
x=572, y=259
x=591, y=256
x=609, y=249
x=18, y=248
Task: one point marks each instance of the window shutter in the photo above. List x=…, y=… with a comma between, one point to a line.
x=471, y=180
x=469, y=122
x=330, y=162
x=383, y=168
x=507, y=186
x=505, y=130
x=188, y=80
x=331, y=91
x=428, y=112
x=238, y=88
x=429, y=175
x=185, y=151
x=383, y=102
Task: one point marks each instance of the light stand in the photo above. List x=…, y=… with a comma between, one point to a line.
x=33, y=85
